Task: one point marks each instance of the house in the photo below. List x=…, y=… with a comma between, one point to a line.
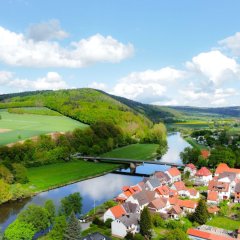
x=159, y=205
x=212, y=197
x=209, y=233
x=188, y=206
x=205, y=153
x=213, y=210
x=222, y=188
x=131, y=207
x=95, y=236
x=163, y=191
x=237, y=193
x=193, y=193
x=114, y=213
x=203, y=176
x=174, y=174
x=223, y=167
x=181, y=189
x=152, y=184
x=143, y=198
x=127, y=192
x=163, y=177
x=175, y=212
x=229, y=177
x=124, y=225
x=191, y=169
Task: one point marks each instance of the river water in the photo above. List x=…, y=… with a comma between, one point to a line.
x=96, y=190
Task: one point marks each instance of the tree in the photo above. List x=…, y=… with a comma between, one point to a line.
x=71, y=203
x=157, y=220
x=59, y=228
x=190, y=155
x=201, y=213
x=5, y=194
x=20, y=173
x=73, y=230
x=176, y=234
x=36, y=215
x=146, y=223
x=5, y=174
x=50, y=207
x=19, y=230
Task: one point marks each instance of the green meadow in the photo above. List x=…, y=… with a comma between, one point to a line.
x=134, y=151
x=16, y=127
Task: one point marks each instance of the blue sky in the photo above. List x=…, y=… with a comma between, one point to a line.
x=162, y=52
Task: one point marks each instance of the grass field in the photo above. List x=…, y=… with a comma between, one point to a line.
x=50, y=176
x=23, y=126
x=224, y=222
x=134, y=151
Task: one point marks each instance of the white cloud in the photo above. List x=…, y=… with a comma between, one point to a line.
x=52, y=81
x=214, y=65
x=5, y=76
x=46, y=31
x=18, y=50
x=97, y=85
x=140, y=85
x=232, y=43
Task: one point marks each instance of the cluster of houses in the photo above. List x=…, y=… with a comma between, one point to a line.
x=164, y=193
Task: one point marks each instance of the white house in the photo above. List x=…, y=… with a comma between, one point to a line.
x=181, y=189
x=114, y=213
x=212, y=197
x=191, y=169
x=203, y=176
x=152, y=184
x=125, y=224
x=237, y=193
x=222, y=188
x=174, y=174
x=229, y=177
x=159, y=205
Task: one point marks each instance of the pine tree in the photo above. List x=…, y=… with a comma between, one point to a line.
x=146, y=223
x=73, y=231
x=201, y=213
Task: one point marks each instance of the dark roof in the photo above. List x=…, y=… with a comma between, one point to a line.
x=96, y=236
x=129, y=219
x=130, y=207
x=144, y=197
x=154, y=182
x=162, y=176
x=237, y=188
x=230, y=175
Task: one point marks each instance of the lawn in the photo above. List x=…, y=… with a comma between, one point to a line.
x=134, y=151
x=50, y=176
x=224, y=222
x=15, y=127
x=194, y=143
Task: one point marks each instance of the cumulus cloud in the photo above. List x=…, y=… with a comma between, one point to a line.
x=18, y=50
x=232, y=43
x=46, y=31
x=52, y=81
x=141, y=85
x=98, y=85
x=5, y=76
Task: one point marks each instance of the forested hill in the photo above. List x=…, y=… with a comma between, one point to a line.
x=85, y=105
x=221, y=111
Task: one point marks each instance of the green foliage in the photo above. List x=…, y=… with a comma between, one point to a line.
x=97, y=221
x=19, y=230
x=18, y=192
x=176, y=234
x=190, y=155
x=146, y=223
x=157, y=220
x=5, y=194
x=50, y=207
x=201, y=213
x=224, y=208
x=20, y=173
x=5, y=174
x=34, y=110
x=35, y=215
x=71, y=203
x=59, y=228
x=108, y=223
x=73, y=230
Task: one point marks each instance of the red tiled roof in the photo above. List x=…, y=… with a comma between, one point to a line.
x=174, y=172
x=212, y=196
x=179, y=186
x=173, y=200
x=117, y=211
x=163, y=190
x=223, y=167
x=203, y=172
x=158, y=203
x=218, y=186
x=206, y=235
x=192, y=191
x=213, y=209
x=191, y=166
x=205, y=153
x=187, y=203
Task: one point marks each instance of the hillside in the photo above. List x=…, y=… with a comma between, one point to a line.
x=85, y=105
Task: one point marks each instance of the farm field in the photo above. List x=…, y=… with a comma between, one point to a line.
x=16, y=127
x=54, y=175
x=134, y=151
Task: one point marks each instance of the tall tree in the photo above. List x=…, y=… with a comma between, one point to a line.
x=201, y=213
x=59, y=228
x=50, y=207
x=73, y=230
x=146, y=223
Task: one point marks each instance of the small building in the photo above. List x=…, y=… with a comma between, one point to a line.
x=152, y=184
x=174, y=174
x=223, y=167
x=163, y=191
x=124, y=225
x=222, y=189
x=212, y=197
x=229, y=177
x=188, y=206
x=213, y=210
x=181, y=189
x=203, y=176
x=191, y=169
x=96, y=236
x=163, y=177
x=114, y=213
x=159, y=205
x=193, y=193
x=175, y=212
x=237, y=193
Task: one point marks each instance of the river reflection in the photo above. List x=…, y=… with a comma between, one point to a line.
x=96, y=190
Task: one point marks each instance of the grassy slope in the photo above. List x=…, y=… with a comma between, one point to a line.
x=29, y=125
x=134, y=151
x=50, y=176
x=224, y=222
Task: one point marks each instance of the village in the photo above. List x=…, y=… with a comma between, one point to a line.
x=166, y=194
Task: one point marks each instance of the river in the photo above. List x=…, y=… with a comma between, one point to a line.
x=96, y=190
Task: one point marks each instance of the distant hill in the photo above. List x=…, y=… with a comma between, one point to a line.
x=220, y=111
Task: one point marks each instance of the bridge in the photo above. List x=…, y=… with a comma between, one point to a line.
x=132, y=163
